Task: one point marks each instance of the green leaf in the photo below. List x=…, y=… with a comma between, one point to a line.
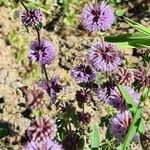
x=134, y=40
x=138, y=26
x=132, y=106
x=141, y=128
x=134, y=44
x=124, y=45
x=95, y=138
x=119, y=147
x=127, y=37
x=133, y=128
x=120, y=12
x=3, y=132
x=38, y=113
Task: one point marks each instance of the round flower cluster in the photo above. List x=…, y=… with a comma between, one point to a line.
x=85, y=118
x=96, y=17
x=41, y=133
x=31, y=17
x=142, y=77
x=54, y=85
x=83, y=74
x=47, y=144
x=120, y=125
x=84, y=96
x=43, y=52
x=41, y=129
x=125, y=76
x=104, y=57
x=34, y=97
x=113, y=97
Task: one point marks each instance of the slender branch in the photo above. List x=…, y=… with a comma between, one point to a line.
x=38, y=34
x=24, y=5
x=47, y=79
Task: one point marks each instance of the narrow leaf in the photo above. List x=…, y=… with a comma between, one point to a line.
x=138, y=26
x=119, y=147
x=127, y=37
x=132, y=129
x=124, y=41
x=141, y=128
x=132, y=106
x=95, y=138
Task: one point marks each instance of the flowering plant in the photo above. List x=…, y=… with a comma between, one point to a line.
x=123, y=91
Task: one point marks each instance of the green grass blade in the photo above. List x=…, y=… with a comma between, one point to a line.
x=124, y=41
x=95, y=137
x=141, y=127
x=127, y=37
x=132, y=129
x=138, y=26
x=132, y=106
x=119, y=147
x=136, y=122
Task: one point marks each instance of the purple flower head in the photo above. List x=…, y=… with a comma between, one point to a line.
x=31, y=17
x=96, y=17
x=55, y=87
x=41, y=129
x=32, y=145
x=120, y=124
x=142, y=76
x=83, y=74
x=34, y=97
x=113, y=97
x=43, y=53
x=84, y=96
x=125, y=76
x=104, y=57
x=85, y=118
x=105, y=94
x=43, y=145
